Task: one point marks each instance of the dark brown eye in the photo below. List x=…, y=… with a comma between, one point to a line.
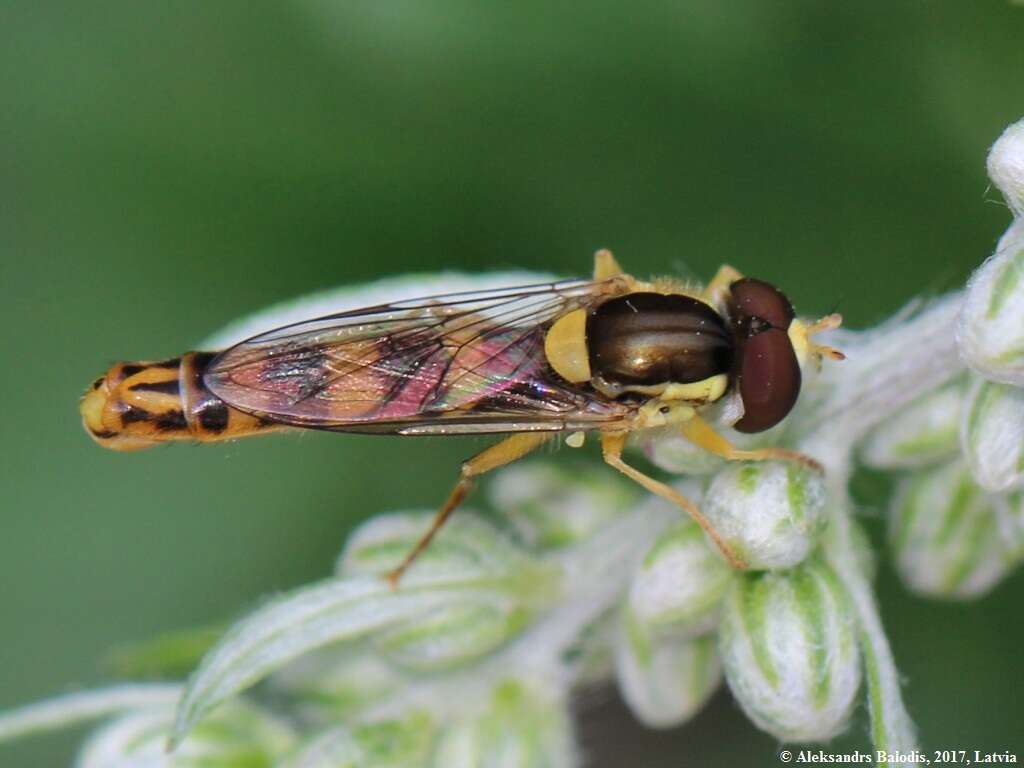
x=768, y=378
x=756, y=298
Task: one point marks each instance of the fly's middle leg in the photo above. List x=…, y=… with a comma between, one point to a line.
x=498, y=455
x=703, y=435
x=611, y=447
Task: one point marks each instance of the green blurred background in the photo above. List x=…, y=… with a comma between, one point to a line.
x=167, y=168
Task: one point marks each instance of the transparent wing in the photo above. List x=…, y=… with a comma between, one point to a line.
x=458, y=363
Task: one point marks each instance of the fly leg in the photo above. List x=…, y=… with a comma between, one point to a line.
x=703, y=435
x=611, y=447
x=605, y=265
x=508, y=450
x=715, y=291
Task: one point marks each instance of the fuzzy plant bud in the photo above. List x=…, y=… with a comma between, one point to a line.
x=335, y=748
x=991, y=328
x=664, y=680
x=404, y=742
x=1010, y=515
x=467, y=544
x=593, y=653
x=924, y=433
x=992, y=434
x=678, y=586
x=674, y=453
x=946, y=536
x=336, y=683
x=453, y=635
x=788, y=643
x=521, y=728
x=236, y=736
x=464, y=630
x=552, y=507
x=769, y=512
x=1006, y=166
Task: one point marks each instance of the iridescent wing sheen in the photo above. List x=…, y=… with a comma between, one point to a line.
x=456, y=364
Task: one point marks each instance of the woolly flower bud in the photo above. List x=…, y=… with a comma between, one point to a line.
x=925, y=432
x=770, y=512
x=453, y=635
x=467, y=544
x=460, y=631
x=992, y=435
x=236, y=736
x=789, y=647
x=679, y=585
x=1006, y=166
x=592, y=655
x=945, y=535
x=551, y=507
x=664, y=680
x=676, y=454
x=521, y=728
x=333, y=684
x=991, y=327
x=1010, y=516
x=385, y=744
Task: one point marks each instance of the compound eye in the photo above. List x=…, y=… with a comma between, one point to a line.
x=768, y=379
x=756, y=298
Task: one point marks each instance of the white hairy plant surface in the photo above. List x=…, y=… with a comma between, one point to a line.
x=578, y=578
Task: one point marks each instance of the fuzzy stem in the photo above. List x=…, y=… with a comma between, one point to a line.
x=891, y=727
x=891, y=366
x=886, y=368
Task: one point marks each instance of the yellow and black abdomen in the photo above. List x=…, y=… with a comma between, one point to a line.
x=137, y=405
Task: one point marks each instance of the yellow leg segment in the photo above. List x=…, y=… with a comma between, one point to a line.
x=508, y=450
x=612, y=445
x=702, y=434
x=605, y=265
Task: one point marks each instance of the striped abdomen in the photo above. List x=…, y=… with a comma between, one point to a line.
x=137, y=405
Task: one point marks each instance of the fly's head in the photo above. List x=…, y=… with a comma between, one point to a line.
x=772, y=346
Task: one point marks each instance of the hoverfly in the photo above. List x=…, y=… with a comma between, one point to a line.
x=612, y=355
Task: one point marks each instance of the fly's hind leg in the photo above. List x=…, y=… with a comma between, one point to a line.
x=611, y=447
x=703, y=435
x=508, y=450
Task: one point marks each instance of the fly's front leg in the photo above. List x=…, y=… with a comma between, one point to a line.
x=715, y=291
x=702, y=434
x=611, y=447
x=508, y=450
